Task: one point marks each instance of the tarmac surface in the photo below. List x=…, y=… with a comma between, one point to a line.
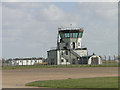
x=19, y=77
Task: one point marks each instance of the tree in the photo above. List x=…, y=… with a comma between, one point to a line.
x=3, y=62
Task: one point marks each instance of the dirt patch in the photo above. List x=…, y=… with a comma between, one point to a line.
x=19, y=77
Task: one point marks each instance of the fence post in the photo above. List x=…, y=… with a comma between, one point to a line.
x=118, y=60
x=82, y=60
x=66, y=62
x=70, y=59
x=101, y=58
x=109, y=59
x=114, y=59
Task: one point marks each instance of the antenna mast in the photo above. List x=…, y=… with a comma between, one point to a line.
x=58, y=39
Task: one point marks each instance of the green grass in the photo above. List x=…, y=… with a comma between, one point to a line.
x=58, y=66
x=100, y=82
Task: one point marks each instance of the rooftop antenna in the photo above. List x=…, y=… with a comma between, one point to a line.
x=71, y=26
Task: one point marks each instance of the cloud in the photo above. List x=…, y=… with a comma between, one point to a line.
x=101, y=27
x=104, y=10
x=29, y=24
x=31, y=28
x=53, y=13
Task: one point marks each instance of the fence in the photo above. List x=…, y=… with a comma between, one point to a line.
x=106, y=61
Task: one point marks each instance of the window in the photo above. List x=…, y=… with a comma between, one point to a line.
x=61, y=53
x=68, y=34
x=62, y=60
x=76, y=34
x=66, y=52
x=66, y=60
x=65, y=35
x=71, y=35
x=62, y=36
x=78, y=43
x=66, y=44
x=73, y=61
x=80, y=34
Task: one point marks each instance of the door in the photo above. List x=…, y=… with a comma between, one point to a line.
x=73, y=61
x=73, y=45
x=94, y=60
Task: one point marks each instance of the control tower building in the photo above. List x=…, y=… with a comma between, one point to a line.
x=69, y=50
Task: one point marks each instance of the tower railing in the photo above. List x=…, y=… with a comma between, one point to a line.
x=74, y=53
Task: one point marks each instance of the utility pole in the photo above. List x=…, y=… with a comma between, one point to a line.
x=105, y=58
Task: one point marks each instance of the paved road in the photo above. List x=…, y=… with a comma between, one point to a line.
x=19, y=77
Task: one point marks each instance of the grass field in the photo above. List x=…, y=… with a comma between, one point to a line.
x=59, y=66
x=99, y=82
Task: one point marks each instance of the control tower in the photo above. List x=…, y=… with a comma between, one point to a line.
x=69, y=50
x=70, y=38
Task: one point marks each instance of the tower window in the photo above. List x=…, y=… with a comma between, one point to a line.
x=71, y=35
x=80, y=34
x=66, y=35
x=62, y=35
x=76, y=34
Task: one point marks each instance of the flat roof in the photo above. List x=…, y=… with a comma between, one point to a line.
x=27, y=59
x=67, y=49
x=71, y=31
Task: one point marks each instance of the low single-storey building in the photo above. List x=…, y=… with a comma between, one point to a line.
x=26, y=61
x=94, y=60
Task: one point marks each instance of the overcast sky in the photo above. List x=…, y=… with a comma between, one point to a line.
x=30, y=29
